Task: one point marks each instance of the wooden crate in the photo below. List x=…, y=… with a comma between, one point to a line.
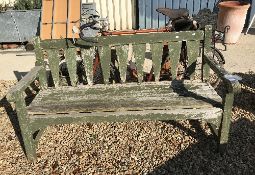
x=59, y=16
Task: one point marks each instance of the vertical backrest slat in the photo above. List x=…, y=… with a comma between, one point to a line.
x=174, y=52
x=156, y=50
x=139, y=53
x=207, y=49
x=105, y=60
x=53, y=57
x=88, y=57
x=71, y=62
x=40, y=62
x=193, y=54
x=122, y=53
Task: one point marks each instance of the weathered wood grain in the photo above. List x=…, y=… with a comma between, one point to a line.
x=157, y=51
x=105, y=60
x=123, y=98
x=53, y=57
x=122, y=53
x=88, y=55
x=193, y=54
x=174, y=52
x=125, y=39
x=139, y=52
x=71, y=62
x=24, y=83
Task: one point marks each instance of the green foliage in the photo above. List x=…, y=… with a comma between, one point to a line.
x=27, y=4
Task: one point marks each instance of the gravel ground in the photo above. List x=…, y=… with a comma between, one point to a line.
x=135, y=147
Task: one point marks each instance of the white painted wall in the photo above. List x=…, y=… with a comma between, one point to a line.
x=119, y=12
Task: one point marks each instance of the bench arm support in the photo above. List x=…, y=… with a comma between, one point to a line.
x=233, y=85
x=24, y=83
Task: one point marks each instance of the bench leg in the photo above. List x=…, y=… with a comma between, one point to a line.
x=225, y=123
x=29, y=145
x=26, y=132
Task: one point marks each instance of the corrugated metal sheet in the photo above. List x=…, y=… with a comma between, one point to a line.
x=119, y=12
x=149, y=18
x=19, y=26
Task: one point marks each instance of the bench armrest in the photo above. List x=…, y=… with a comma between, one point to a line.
x=24, y=83
x=233, y=85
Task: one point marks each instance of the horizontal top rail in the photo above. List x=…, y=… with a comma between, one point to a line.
x=125, y=39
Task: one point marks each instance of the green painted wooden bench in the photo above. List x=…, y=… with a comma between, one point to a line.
x=159, y=100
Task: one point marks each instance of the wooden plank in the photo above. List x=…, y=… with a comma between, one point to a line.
x=111, y=14
x=122, y=53
x=134, y=97
x=155, y=14
x=53, y=57
x=105, y=60
x=174, y=52
x=139, y=52
x=46, y=23
x=40, y=62
x=127, y=39
x=207, y=49
x=73, y=16
x=72, y=65
x=196, y=6
x=148, y=12
x=176, y=4
x=142, y=14
x=88, y=57
x=190, y=7
x=60, y=19
x=24, y=83
x=162, y=18
x=150, y=115
x=204, y=4
x=193, y=48
x=157, y=51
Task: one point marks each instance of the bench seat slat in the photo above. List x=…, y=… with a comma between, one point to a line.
x=154, y=96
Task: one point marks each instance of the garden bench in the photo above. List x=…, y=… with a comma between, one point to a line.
x=159, y=100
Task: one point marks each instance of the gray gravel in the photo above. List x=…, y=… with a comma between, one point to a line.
x=135, y=147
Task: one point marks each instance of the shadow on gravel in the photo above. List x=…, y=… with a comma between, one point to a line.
x=14, y=120
x=202, y=158
x=246, y=99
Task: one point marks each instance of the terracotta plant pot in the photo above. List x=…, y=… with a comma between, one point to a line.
x=232, y=14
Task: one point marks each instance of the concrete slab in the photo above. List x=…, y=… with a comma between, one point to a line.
x=15, y=63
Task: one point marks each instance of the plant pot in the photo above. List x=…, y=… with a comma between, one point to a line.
x=232, y=14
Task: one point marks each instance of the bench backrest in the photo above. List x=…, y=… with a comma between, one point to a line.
x=124, y=45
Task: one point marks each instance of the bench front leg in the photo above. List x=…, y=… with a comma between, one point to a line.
x=233, y=87
x=24, y=124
